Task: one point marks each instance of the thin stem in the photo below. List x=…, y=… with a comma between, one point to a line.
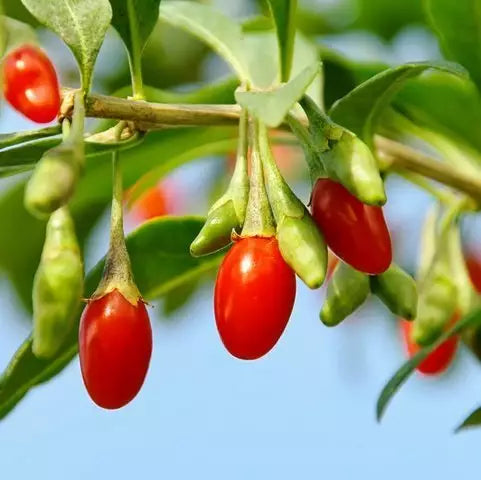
x=443, y=196
x=402, y=156
x=151, y=115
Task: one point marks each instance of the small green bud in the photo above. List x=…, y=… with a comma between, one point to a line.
x=217, y=230
x=437, y=304
x=347, y=291
x=351, y=163
x=58, y=286
x=303, y=248
x=53, y=181
x=397, y=290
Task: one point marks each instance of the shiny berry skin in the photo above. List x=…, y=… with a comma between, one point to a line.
x=254, y=296
x=439, y=359
x=115, y=345
x=354, y=231
x=30, y=84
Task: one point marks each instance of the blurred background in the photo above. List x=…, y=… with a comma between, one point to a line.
x=306, y=410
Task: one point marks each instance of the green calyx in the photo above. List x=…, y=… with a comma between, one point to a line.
x=346, y=292
x=344, y=157
x=55, y=177
x=57, y=287
x=300, y=242
x=117, y=273
x=397, y=290
x=351, y=163
x=53, y=181
x=303, y=248
x=437, y=304
x=217, y=230
x=444, y=285
x=259, y=221
x=227, y=215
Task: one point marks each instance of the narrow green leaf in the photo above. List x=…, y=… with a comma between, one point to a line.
x=198, y=143
x=458, y=27
x=14, y=33
x=82, y=25
x=360, y=109
x=471, y=421
x=10, y=139
x=134, y=20
x=273, y=105
x=284, y=13
x=403, y=373
x=10, y=171
x=215, y=93
x=28, y=153
x=221, y=33
x=161, y=262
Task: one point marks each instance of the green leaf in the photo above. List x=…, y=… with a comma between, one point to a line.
x=445, y=104
x=161, y=262
x=403, y=373
x=10, y=171
x=82, y=25
x=14, y=33
x=9, y=139
x=360, y=109
x=284, y=13
x=134, y=20
x=458, y=27
x=30, y=152
x=215, y=93
x=472, y=420
x=178, y=297
x=221, y=33
x=273, y=105
x=198, y=143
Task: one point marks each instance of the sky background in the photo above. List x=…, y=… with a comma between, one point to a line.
x=304, y=411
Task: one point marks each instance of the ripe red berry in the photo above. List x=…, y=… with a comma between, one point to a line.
x=115, y=345
x=354, y=231
x=254, y=296
x=30, y=84
x=474, y=268
x=439, y=359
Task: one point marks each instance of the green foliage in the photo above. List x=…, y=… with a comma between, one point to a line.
x=159, y=253
x=221, y=33
x=284, y=13
x=458, y=27
x=134, y=20
x=360, y=109
x=14, y=33
x=273, y=105
x=81, y=25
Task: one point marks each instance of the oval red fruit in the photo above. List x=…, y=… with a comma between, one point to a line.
x=439, y=359
x=115, y=345
x=254, y=296
x=473, y=264
x=354, y=231
x=30, y=84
